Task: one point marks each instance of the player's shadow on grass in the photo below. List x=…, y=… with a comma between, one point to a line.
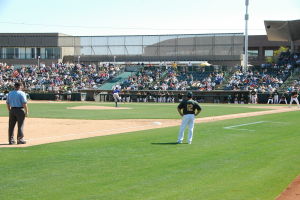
x=164, y=143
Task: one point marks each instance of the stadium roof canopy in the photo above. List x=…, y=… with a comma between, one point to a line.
x=283, y=30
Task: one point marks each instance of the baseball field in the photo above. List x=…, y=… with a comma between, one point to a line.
x=94, y=151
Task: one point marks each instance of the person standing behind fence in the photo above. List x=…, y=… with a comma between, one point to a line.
x=188, y=109
x=283, y=99
x=253, y=96
x=229, y=99
x=276, y=97
x=17, y=107
x=270, y=99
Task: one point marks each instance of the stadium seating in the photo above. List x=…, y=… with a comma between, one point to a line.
x=63, y=77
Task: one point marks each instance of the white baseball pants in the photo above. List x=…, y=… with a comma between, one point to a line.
x=270, y=101
x=187, y=120
x=276, y=99
x=294, y=99
x=116, y=97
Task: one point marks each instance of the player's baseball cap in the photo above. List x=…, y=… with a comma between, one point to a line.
x=189, y=95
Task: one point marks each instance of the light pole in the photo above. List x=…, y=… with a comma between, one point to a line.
x=114, y=60
x=39, y=61
x=246, y=37
x=78, y=59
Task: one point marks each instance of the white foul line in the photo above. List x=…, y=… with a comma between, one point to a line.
x=232, y=127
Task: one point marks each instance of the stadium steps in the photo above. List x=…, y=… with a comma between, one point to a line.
x=117, y=80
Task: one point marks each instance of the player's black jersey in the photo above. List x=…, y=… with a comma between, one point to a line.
x=189, y=106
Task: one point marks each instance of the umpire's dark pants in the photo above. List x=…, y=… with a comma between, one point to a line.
x=16, y=115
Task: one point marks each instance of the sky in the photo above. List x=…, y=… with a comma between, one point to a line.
x=142, y=17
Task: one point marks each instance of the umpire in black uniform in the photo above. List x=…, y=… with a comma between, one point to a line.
x=17, y=107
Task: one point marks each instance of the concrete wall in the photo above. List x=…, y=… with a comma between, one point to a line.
x=28, y=40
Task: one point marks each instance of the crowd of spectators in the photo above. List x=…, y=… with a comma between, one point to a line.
x=292, y=61
x=205, y=81
x=295, y=85
x=73, y=77
x=267, y=77
x=157, y=78
x=144, y=79
x=56, y=77
x=264, y=78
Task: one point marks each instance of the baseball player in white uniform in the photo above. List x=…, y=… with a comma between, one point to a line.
x=116, y=96
x=188, y=109
x=253, y=96
x=294, y=97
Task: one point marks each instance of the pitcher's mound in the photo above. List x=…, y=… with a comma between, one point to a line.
x=97, y=108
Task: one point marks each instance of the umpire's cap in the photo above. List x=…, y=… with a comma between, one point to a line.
x=189, y=95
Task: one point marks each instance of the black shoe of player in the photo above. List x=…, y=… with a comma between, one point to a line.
x=11, y=142
x=21, y=141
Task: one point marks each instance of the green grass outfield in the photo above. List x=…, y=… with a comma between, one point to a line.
x=255, y=163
